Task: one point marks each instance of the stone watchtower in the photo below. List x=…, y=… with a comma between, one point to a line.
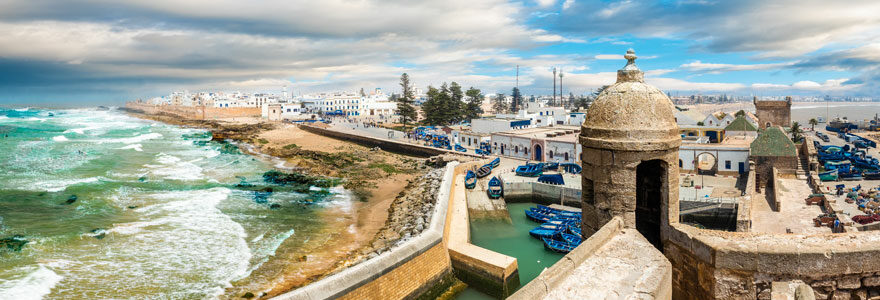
x=773, y=113
x=630, y=154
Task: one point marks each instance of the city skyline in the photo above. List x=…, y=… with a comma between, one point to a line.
x=91, y=52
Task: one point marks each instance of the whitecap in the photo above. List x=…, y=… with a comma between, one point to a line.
x=35, y=285
x=59, y=138
x=132, y=140
x=135, y=147
x=60, y=185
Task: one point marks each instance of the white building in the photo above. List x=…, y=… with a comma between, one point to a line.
x=550, y=144
x=493, y=125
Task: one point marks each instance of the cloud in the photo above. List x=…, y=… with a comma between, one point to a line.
x=715, y=68
x=806, y=85
x=786, y=28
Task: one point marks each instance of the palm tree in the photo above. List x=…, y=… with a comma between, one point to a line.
x=813, y=123
x=796, y=132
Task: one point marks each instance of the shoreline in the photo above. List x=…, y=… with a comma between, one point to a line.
x=352, y=235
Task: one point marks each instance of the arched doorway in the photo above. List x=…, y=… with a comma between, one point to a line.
x=650, y=176
x=539, y=153
x=707, y=164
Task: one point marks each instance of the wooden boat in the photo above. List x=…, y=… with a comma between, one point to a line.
x=542, y=232
x=470, y=180
x=850, y=175
x=576, y=230
x=570, y=238
x=557, y=246
x=554, y=179
x=537, y=217
x=495, y=190
x=571, y=168
x=484, y=171
x=871, y=175
x=495, y=162
x=551, y=166
x=828, y=176
x=459, y=148
x=558, y=211
x=530, y=170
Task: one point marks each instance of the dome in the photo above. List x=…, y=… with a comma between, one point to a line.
x=631, y=115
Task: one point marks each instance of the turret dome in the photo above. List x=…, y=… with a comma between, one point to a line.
x=631, y=115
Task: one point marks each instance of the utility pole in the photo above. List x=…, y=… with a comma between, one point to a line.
x=554, y=85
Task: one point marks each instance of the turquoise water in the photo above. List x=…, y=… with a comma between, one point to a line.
x=513, y=239
x=155, y=215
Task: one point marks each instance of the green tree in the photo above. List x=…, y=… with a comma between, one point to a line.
x=600, y=90
x=796, y=132
x=405, y=102
x=473, y=109
x=813, y=123
x=517, y=101
x=740, y=113
x=499, y=105
x=433, y=106
x=453, y=110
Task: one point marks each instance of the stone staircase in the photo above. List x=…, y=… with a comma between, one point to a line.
x=802, y=168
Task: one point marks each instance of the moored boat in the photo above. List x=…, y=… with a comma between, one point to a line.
x=542, y=232
x=571, y=168
x=557, y=246
x=828, y=176
x=484, y=171
x=495, y=162
x=470, y=180
x=530, y=170
x=495, y=190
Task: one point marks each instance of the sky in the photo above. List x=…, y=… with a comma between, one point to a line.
x=77, y=52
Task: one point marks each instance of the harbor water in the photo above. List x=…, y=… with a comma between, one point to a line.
x=512, y=238
x=104, y=205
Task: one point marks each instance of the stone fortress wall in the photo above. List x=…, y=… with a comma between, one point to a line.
x=195, y=112
x=417, y=268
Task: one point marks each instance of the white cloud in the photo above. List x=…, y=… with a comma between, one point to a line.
x=609, y=56
x=545, y=3
x=715, y=68
x=567, y=4
x=807, y=85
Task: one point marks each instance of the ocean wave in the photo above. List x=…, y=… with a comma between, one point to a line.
x=35, y=285
x=135, y=147
x=133, y=140
x=174, y=168
x=60, y=185
x=59, y=138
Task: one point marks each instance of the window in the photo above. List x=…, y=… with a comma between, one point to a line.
x=727, y=164
x=551, y=154
x=516, y=149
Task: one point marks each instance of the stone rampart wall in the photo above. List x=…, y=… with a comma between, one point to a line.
x=408, y=271
x=384, y=144
x=195, y=112
x=491, y=272
x=774, y=192
x=744, y=207
x=541, y=193
x=737, y=265
x=787, y=165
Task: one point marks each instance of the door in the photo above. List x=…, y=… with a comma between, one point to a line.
x=742, y=167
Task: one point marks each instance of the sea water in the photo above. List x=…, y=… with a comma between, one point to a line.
x=156, y=215
x=511, y=237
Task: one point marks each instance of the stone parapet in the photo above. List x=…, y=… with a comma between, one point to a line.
x=194, y=112
x=737, y=265
x=407, y=271
x=384, y=144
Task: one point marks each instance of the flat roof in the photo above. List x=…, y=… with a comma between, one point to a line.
x=562, y=133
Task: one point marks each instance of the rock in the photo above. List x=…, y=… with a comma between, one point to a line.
x=13, y=243
x=132, y=206
x=142, y=178
x=70, y=200
x=838, y=295
x=248, y=295
x=275, y=206
x=860, y=294
x=302, y=258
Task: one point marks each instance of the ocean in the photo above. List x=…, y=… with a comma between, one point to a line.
x=112, y=206
x=802, y=112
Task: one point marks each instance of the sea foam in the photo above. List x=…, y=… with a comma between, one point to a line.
x=35, y=285
x=59, y=138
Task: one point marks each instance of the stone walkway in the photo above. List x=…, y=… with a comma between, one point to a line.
x=795, y=214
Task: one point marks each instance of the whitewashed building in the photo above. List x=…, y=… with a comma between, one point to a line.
x=547, y=144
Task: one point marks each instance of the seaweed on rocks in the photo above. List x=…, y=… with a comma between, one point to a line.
x=281, y=178
x=13, y=243
x=193, y=136
x=70, y=200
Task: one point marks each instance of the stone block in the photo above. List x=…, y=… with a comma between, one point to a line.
x=872, y=281
x=849, y=282
x=841, y=295
x=860, y=294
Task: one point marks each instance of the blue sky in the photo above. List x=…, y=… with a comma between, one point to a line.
x=79, y=52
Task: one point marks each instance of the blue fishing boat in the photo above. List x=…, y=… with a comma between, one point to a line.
x=558, y=211
x=551, y=166
x=570, y=238
x=484, y=171
x=495, y=162
x=539, y=232
x=459, y=148
x=537, y=217
x=557, y=246
x=571, y=168
x=575, y=230
x=470, y=180
x=495, y=190
x=530, y=170
x=554, y=179
x=828, y=176
x=558, y=215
